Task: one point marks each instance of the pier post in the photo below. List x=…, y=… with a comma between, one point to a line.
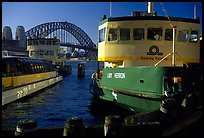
x=74, y=127
x=168, y=105
x=26, y=128
x=81, y=70
x=113, y=126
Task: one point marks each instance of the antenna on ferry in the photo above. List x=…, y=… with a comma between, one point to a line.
x=150, y=7
x=194, y=11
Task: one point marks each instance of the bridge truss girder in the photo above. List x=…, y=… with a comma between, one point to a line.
x=43, y=30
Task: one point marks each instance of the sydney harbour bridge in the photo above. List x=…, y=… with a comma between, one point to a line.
x=69, y=35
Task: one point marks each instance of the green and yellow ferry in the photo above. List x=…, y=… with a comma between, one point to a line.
x=150, y=62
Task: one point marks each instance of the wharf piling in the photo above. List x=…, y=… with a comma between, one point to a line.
x=74, y=127
x=113, y=126
x=81, y=70
x=138, y=125
x=26, y=128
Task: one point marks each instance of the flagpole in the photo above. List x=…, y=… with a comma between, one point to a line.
x=110, y=9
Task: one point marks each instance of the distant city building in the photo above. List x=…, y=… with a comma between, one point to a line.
x=7, y=33
x=20, y=35
x=12, y=47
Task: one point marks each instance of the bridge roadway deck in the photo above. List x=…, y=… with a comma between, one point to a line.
x=78, y=46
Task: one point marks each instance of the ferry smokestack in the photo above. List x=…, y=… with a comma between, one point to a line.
x=150, y=7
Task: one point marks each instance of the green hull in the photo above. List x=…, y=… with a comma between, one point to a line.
x=132, y=103
x=136, y=88
x=140, y=88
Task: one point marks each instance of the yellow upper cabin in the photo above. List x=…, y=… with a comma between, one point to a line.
x=46, y=49
x=145, y=40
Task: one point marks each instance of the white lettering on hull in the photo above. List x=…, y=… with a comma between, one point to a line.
x=119, y=75
x=109, y=75
x=116, y=75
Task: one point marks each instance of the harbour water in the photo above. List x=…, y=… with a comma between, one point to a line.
x=69, y=98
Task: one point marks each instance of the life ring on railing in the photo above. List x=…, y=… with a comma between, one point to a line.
x=100, y=74
x=97, y=76
x=93, y=75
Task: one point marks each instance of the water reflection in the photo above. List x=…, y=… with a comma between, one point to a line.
x=69, y=98
x=99, y=109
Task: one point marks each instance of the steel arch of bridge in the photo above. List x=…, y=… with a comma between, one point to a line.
x=43, y=30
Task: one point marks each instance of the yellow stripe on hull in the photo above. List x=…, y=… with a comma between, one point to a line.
x=26, y=79
x=144, y=58
x=6, y=82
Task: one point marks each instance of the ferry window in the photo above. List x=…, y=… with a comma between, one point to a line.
x=30, y=42
x=46, y=53
x=35, y=42
x=31, y=53
x=124, y=34
x=33, y=68
x=154, y=34
x=42, y=42
x=41, y=53
x=112, y=34
x=102, y=33
x=194, y=36
x=51, y=53
x=19, y=68
x=4, y=69
x=138, y=33
x=26, y=68
x=8, y=68
x=183, y=35
x=56, y=42
x=14, y=69
x=49, y=42
x=169, y=34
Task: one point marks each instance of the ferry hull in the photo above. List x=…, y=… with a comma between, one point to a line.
x=14, y=94
x=138, y=104
x=142, y=89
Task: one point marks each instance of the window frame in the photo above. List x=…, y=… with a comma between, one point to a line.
x=160, y=36
x=143, y=37
x=128, y=37
x=179, y=38
x=117, y=36
x=196, y=37
x=103, y=33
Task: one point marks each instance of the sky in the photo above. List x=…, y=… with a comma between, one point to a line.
x=85, y=15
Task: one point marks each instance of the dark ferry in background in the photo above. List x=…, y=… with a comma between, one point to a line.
x=22, y=76
x=150, y=62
